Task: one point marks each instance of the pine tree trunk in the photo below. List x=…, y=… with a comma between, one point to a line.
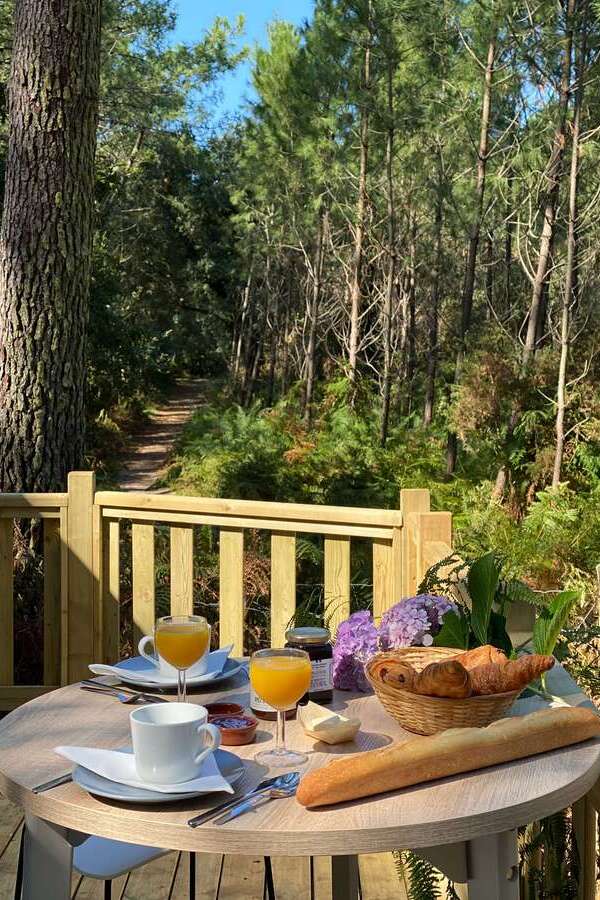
x=313, y=317
x=241, y=330
x=391, y=262
x=46, y=241
x=552, y=176
x=570, y=287
x=356, y=286
x=469, y=281
x=433, y=311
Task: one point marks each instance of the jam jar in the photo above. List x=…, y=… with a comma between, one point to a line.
x=317, y=643
x=262, y=710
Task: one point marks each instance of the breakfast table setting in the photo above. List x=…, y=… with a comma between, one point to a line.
x=447, y=755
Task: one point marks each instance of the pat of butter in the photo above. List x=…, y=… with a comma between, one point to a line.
x=324, y=725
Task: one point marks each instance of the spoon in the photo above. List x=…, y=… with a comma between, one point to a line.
x=285, y=786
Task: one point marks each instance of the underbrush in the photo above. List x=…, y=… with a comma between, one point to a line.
x=551, y=540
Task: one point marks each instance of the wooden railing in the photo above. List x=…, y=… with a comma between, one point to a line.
x=82, y=535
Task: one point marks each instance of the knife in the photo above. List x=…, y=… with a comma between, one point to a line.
x=229, y=804
x=54, y=782
x=248, y=803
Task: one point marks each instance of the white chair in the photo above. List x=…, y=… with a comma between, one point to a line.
x=105, y=860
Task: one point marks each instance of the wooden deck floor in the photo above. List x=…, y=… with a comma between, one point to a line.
x=218, y=877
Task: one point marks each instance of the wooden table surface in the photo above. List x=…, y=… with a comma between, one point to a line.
x=455, y=809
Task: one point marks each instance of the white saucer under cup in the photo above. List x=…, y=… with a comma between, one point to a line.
x=170, y=741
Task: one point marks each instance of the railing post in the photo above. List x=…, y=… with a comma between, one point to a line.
x=81, y=617
x=433, y=527
x=413, y=502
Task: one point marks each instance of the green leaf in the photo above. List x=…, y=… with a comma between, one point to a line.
x=482, y=581
x=453, y=633
x=498, y=635
x=551, y=620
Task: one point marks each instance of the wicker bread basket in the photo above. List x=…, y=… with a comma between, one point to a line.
x=428, y=715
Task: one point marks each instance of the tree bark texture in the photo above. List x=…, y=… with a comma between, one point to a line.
x=46, y=241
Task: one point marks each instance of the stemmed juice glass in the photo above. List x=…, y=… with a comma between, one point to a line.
x=181, y=641
x=280, y=678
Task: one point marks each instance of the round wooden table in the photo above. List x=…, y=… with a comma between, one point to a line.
x=465, y=825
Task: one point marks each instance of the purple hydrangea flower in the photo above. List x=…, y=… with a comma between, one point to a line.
x=414, y=621
x=355, y=643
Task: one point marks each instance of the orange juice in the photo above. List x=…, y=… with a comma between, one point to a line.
x=181, y=645
x=280, y=680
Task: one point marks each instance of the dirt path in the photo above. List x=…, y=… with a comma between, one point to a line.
x=148, y=456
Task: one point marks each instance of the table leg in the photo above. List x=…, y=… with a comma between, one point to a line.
x=344, y=878
x=47, y=861
x=493, y=864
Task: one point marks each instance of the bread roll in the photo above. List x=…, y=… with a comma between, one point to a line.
x=450, y=752
x=443, y=679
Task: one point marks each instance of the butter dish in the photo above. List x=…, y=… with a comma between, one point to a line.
x=324, y=725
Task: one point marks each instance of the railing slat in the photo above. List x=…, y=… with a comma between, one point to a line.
x=337, y=580
x=52, y=601
x=231, y=582
x=413, y=501
x=283, y=585
x=111, y=593
x=254, y=509
x=6, y=602
x=241, y=522
x=387, y=571
x=143, y=582
x=182, y=571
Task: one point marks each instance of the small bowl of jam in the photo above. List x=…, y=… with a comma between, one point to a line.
x=236, y=729
x=224, y=709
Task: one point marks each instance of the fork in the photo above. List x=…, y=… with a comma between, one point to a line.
x=123, y=696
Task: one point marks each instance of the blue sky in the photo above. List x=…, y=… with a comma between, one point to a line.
x=195, y=16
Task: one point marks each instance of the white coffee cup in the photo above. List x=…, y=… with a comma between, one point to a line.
x=165, y=668
x=170, y=740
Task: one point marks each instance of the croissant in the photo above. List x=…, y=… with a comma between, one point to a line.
x=443, y=679
x=480, y=656
x=513, y=675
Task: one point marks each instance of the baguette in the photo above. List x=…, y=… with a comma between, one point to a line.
x=448, y=753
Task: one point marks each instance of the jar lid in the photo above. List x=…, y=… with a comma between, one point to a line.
x=308, y=635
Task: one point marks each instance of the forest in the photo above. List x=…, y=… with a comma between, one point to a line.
x=382, y=269
x=386, y=263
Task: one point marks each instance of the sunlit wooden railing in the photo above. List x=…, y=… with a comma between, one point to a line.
x=82, y=534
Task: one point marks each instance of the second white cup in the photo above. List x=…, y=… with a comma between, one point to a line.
x=171, y=740
x=165, y=668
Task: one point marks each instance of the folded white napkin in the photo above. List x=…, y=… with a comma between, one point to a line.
x=146, y=673
x=119, y=766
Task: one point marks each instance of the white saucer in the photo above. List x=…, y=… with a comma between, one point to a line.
x=150, y=676
x=231, y=766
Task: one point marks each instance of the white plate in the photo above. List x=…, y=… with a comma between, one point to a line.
x=150, y=676
x=231, y=766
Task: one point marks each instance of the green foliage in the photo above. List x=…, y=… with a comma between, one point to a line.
x=482, y=581
x=551, y=620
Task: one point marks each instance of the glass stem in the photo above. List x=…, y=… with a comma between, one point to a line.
x=280, y=739
x=181, y=685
